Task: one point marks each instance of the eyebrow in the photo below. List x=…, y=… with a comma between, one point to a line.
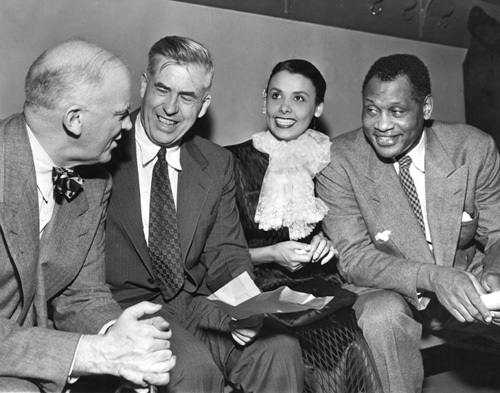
x=181, y=93
x=293, y=92
x=123, y=111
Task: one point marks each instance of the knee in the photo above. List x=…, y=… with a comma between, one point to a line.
x=277, y=343
x=208, y=376
x=381, y=309
x=286, y=346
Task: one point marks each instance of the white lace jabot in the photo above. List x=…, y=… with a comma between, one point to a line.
x=287, y=197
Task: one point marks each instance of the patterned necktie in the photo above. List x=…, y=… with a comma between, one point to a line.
x=164, y=245
x=66, y=183
x=410, y=190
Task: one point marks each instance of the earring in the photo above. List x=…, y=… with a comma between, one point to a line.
x=264, y=96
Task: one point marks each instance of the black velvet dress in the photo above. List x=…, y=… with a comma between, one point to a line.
x=336, y=356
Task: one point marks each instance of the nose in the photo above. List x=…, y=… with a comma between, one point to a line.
x=170, y=105
x=384, y=122
x=127, y=124
x=284, y=107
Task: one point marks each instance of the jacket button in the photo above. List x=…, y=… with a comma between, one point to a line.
x=151, y=280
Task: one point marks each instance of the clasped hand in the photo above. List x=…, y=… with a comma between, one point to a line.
x=292, y=254
x=138, y=349
x=460, y=292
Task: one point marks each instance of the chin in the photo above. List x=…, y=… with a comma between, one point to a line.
x=387, y=152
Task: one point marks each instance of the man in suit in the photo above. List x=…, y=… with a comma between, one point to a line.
x=204, y=227
x=412, y=239
x=54, y=299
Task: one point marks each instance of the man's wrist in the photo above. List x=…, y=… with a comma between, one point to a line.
x=424, y=277
x=89, y=359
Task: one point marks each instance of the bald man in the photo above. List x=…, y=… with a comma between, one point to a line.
x=53, y=196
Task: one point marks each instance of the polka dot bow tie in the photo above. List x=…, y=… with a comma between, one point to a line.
x=66, y=183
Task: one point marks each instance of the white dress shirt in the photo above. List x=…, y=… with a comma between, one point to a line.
x=43, y=170
x=146, y=159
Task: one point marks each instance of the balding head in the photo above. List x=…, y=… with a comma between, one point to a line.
x=77, y=102
x=72, y=70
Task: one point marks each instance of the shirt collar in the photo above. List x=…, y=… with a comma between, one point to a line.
x=417, y=154
x=43, y=166
x=148, y=150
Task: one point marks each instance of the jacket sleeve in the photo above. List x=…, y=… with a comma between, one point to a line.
x=225, y=252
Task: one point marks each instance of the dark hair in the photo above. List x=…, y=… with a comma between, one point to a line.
x=182, y=51
x=304, y=68
x=391, y=67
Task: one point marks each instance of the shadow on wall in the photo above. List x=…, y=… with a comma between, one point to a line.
x=481, y=69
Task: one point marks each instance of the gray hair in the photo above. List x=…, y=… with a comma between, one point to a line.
x=181, y=51
x=72, y=70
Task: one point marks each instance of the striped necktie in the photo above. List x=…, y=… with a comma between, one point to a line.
x=410, y=190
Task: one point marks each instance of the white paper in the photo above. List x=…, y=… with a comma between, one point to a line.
x=241, y=298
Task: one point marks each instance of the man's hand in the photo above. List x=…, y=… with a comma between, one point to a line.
x=490, y=280
x=459, y=291
x=135, y=350
x=244, y=331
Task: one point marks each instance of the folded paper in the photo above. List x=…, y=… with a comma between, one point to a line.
x=241, y=298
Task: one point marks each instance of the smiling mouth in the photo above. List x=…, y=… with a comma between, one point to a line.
x=165, y=121
x=385, y=140
x=284, y=123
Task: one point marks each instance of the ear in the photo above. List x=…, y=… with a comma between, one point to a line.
x=205, y=105
x=73, y=119
x=427, y=108
x=319, y=110
x=144, y=83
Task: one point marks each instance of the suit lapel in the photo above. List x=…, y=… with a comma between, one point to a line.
x=126, y=194
x=390, y=205
x=19, y=204
x=445, y=194
x=192, y=192
x=61, y=238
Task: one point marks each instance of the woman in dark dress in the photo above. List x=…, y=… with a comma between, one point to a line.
x=281, y=218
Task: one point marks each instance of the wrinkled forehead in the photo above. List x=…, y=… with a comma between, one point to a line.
x=200, y=75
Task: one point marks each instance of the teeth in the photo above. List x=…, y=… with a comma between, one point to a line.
x=285, y=122
x=386, y=139
x=165, y=121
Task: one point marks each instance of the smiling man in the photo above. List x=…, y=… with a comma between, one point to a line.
x=414, y=208
x=173, y=234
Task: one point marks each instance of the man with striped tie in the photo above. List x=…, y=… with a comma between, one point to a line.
x=414, y=207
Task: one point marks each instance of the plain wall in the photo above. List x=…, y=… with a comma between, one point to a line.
x=245, y=47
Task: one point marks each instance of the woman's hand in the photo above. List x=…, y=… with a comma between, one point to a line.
x=291, y=255
x=322, y=249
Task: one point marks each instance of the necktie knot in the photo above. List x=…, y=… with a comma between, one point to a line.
x=405, y=162
x=66, y=183
x=162, y=153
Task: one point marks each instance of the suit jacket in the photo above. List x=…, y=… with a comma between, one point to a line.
x=371, y=221
x=212, y=240
x=60, y=276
